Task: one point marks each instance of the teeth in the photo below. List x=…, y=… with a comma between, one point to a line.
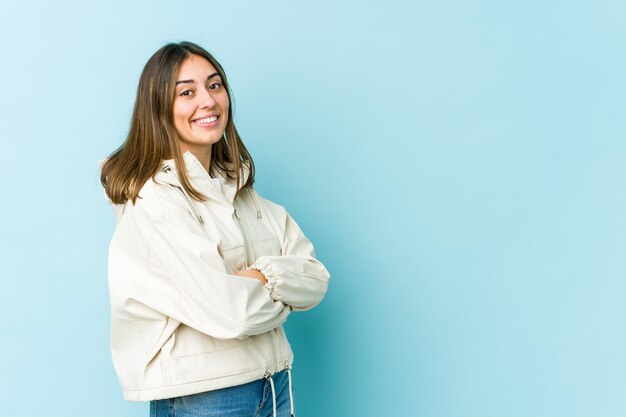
x=206, y=120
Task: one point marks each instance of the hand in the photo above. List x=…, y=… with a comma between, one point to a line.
x=252, y=273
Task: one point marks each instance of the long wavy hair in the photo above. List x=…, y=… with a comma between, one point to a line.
x=152, y=136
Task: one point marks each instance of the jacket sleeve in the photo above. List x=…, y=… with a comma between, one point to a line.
x=188, y=282
x=296, y=277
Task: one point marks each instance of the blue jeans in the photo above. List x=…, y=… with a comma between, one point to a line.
x=253, y=399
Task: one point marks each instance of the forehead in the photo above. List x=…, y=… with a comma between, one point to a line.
x=195, y=68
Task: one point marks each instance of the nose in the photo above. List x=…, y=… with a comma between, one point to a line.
x=206, y=100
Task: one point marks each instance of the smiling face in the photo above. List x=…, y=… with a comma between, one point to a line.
x=200, y=107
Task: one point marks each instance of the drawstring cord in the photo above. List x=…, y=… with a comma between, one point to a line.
x=273, y=395
x=290, y=392
x=256, y=205
x=291, y=405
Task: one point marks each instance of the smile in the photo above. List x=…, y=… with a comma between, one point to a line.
x=206, y=120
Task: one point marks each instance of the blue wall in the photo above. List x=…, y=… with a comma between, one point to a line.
x=459, y=165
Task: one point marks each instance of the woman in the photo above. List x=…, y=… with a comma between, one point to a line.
x=203, y=272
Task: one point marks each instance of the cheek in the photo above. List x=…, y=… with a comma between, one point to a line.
x=181, y=116
x=225, y=104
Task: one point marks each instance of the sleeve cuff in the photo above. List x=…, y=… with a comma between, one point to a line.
x=265, y=267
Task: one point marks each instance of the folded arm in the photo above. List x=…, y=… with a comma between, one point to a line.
x=296, y=277
x=189, y=282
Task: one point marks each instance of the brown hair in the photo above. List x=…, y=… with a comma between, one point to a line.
x=152, y=136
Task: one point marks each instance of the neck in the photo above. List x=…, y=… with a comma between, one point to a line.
x=202, y=154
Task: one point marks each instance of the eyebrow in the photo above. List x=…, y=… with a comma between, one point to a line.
x=191, y=81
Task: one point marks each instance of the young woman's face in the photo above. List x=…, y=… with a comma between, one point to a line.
x=200, y=105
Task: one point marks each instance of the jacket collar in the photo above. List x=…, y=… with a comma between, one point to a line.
x=198, y=177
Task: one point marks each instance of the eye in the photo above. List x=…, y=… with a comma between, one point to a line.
x=215, y=86
x=186, y=93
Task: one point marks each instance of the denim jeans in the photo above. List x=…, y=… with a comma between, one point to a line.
x=253, y=399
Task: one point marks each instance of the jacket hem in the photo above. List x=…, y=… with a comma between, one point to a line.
x=194, y=387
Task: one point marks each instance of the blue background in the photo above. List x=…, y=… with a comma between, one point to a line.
x=460, y=167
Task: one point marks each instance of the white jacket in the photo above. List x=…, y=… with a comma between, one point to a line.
x=182, y=323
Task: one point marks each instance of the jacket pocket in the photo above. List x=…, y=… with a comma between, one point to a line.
x=190, y=342
x=234, y=257
x=267, y=247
